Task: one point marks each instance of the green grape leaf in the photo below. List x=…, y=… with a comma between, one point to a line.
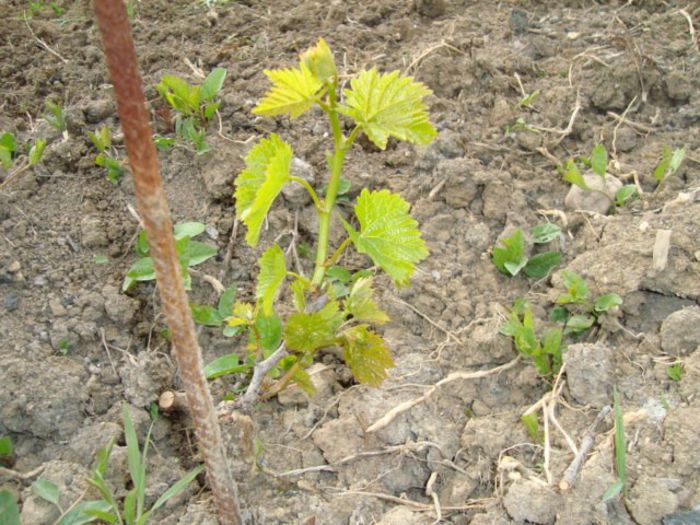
x=270, y=330
x=206, y=315
x=366, y=354
x=36, y=152
x=267, y=170
x=360, y=304
x=320, y=61
x=576, y=288
x=188, y=229
x=599, y=160
x=273, y=270
x=572, y=174
x=142, y=270
x=9, y=510
x=578, y=324
x=212, y=84
x=626, y=193
x=198, y=252
x=293, y=92
x=510, y=257
x=226, y=302
x=389, y=105
x=306, y=332
x=388, y=234
x=302, y=378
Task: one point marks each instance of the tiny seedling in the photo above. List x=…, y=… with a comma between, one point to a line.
x=675, y=372
x=533, y=427
x=620, y=485
x=35, y=8
x=380, y=106
x=6, y=448
x=527, y=99
x=545, y=351
x=12, y=158
x=598, y=164
x=130, y=511
x=9, y=510
x=102, y=141
x=575, y=310
x=195, y=105
x=56, y=118
x=510, y=258
x=191, y=253
x=669, y=164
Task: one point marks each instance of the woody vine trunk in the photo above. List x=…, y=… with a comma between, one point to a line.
x=121, y=61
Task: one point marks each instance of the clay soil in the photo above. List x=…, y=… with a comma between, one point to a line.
x=74, y=348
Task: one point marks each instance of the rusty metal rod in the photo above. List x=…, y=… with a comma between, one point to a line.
x=150, y=198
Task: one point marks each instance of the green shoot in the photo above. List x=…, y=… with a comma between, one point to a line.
x=329, y=308
x=195, y=105
x=48, y=491
x=599, y=160
x=102, y=141
x=510, y=258
x=574, y=307
x=675, y=372
x=620, y=486
x=527, y=100
x=6, y=447
x=56, y=118
x=13, y=161
x=625, y=194
x=191, y=253
x=545, y=351
x=669, y=164
x=533, y=427
x=35, y=8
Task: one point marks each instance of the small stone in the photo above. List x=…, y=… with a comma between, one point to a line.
x=40, y=281
x=11, y=302
x=501, y=113
x=518, y=21
x=98, y=110
x=57, y=309
x=93, y=234
x=295, y=193
x=14, y=267
x=680, y=331
x=589, y=372
x=430, y=8
x=530, y=140
x=678, y=86
x=682, y=517
x=219, y=167
x=599, y=199
x=404, y=516
x=120, y=308
x=528, y=501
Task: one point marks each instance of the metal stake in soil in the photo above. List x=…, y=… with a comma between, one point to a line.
x=131, y=104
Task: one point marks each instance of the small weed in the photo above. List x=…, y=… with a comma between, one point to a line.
x=195, y=105
x=510, y=258
x=675, y=372
x=533, y=427
x=102, y=141
x=56, y=118
x=669, y=164
x=575, y=310
x=528, y=99
x=35, y=8
x=130, y=511
x=16, y=159
x=620, y=486
x=9, y=510
x=545, y=351
x=64, y=346
x=6, y=450
x=191, y=253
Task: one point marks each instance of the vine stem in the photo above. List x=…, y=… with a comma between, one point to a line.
x=131, y=105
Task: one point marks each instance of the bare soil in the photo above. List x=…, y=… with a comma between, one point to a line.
x=74, y=348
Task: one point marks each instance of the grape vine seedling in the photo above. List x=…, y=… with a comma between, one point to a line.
x=195, y=105
x=12, y=159
x=102, y=141
x=669, y=164
x=510, y=257
x=379, y=105
x=56, y=118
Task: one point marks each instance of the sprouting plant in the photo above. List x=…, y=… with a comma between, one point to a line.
x=56, y=118
x=9, y=510
x=620, y=485
x=12, y=158
x=511, y=257
x=380, y=105
x=675, y=372
x=191, y=253
x=533, y=427
x=130, y=511
x=527, y=99
x=575, y=310
x=669, y=164
x=545, y=351
x=6, y=448
x=36, y=7
x=195, y=104
x=102, y=141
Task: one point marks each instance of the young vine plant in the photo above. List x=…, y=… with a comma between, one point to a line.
x=379, y=105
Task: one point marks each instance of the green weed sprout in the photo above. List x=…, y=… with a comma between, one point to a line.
x=9, y=510
x=56, y=118
x=545, y=351
x=380, y=106
x=102, y=141
x=35, y=8
x=195, y=105
x=132, y=510
x=510, y=257
x=675, y=372
x=669, y=164
x=12, y=158
x=620, y=452
x=598, y=164
x=191, y=253
x=575, y=310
